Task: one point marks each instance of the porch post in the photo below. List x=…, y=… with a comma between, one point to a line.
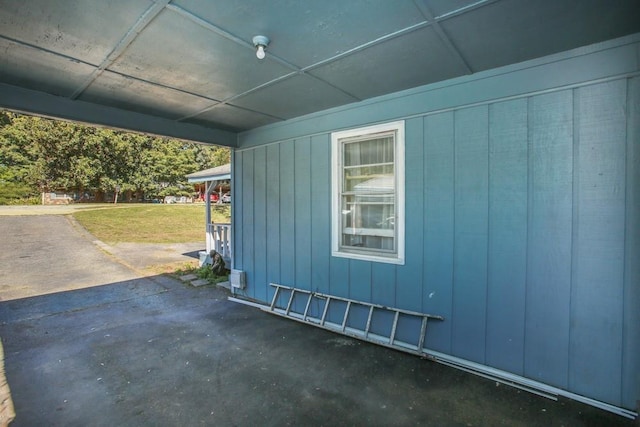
x=209, y=185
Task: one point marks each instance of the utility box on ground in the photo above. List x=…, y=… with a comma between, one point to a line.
x=238, y=279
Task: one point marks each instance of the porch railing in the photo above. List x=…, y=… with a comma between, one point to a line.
x=219, y=239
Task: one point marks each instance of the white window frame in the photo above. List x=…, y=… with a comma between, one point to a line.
x=337, y=139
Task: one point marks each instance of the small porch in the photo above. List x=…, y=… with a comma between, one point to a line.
x=215, y=190
x=218, y=238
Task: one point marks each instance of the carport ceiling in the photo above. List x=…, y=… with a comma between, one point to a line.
x=188, y=67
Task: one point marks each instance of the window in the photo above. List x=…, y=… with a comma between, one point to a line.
x=368, y=193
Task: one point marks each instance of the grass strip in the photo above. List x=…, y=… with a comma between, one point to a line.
x=152, y=223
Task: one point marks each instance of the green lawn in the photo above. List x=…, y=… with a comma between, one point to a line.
x=149, y=223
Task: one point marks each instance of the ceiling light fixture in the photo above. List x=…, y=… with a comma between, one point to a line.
x=261, y=43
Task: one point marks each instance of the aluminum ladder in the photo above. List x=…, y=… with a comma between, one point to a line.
x=342, y=309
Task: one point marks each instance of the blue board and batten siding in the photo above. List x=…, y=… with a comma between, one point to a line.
x=522, y=225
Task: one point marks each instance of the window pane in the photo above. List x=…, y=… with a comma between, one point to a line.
x=375, y=212
x=382, y=244
x=373, y=151
x=367, y=179
x=368, y=194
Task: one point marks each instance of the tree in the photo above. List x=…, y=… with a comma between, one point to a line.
x=45, y=155
x=210, y=157
x=17, y=159
x=169, y=161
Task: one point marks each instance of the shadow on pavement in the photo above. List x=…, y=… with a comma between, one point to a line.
x=154, y=351
x=192, y=254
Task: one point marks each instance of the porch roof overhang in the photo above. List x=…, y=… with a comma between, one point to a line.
x=218, y=173
x=188, y=69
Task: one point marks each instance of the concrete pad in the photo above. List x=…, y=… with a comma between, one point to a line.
x=142, y=256
x=188, y=277
x=226, y=285
x=156, y=351
x=7, y=413
x=199, y=282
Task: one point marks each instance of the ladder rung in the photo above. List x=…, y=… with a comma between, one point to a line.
x=423, y=331
x=306, y=309
x=293, y=292
x=346, y=314
x=275, y=298
x=366, y=331
x=393, y=328
x=324, y=312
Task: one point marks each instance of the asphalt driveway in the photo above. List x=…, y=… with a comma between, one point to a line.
x=46, y=254
x=49, y=252
x=151, y=350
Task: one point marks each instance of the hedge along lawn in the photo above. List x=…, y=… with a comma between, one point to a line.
x=149, y=223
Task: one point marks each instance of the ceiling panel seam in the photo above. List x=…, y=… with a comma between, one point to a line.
x=163, y=86
x=209, y=26
x=451, y=47
x=240, y=95
x=226, y=34
x=464, y=9
x=212, y=107
x=429, y=21
x=45, y=50
x=257, y=112
x=249, y=110
x=368, y=44
x=232, y=37
x=144, y=20
x=344, y=91
x=83, y=62
x=229, y=100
